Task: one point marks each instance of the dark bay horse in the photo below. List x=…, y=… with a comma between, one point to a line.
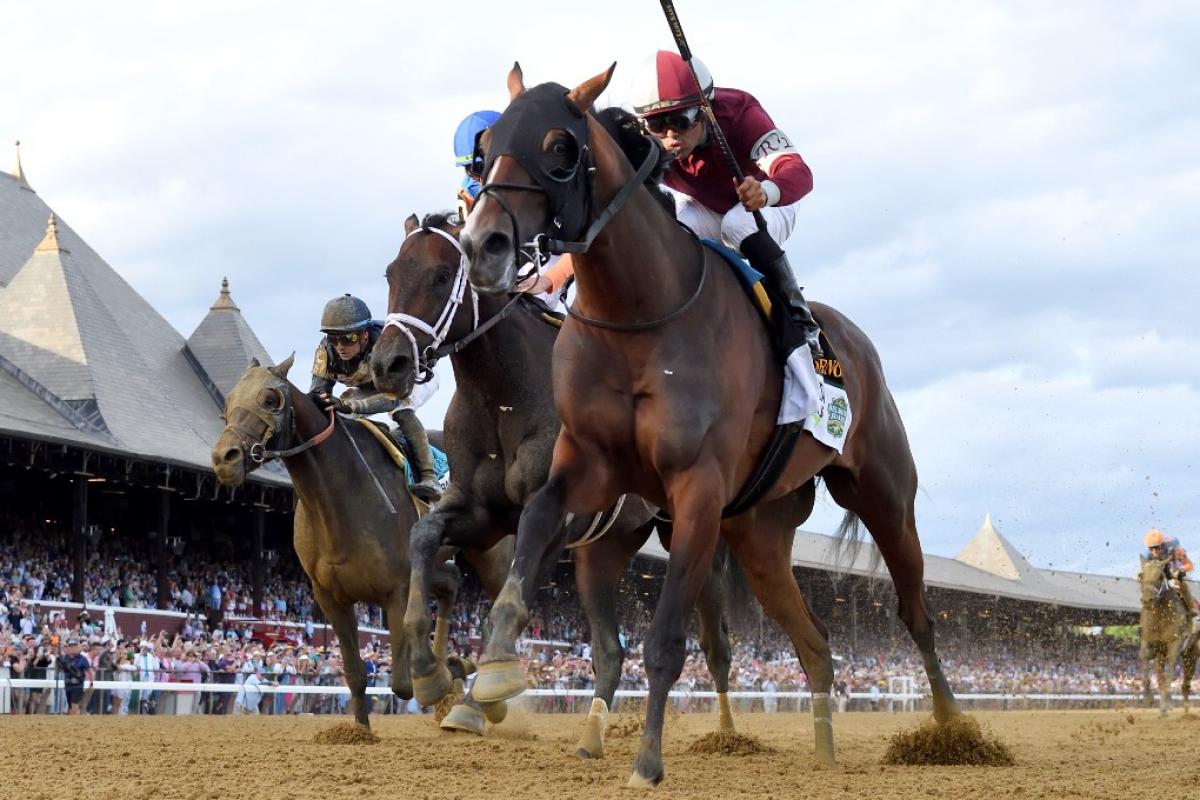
x=667, y=386
x=500, y=430
x=352, y=521
x=1165, y=632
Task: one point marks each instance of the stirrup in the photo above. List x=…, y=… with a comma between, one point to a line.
x=427, y=491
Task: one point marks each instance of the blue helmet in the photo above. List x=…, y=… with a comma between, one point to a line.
x=467, y=135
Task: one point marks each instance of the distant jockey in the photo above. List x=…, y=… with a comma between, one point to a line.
x=1178, y=565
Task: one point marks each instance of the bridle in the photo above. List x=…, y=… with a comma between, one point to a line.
x=570, y=192
x=424, y=360
x=279, y=427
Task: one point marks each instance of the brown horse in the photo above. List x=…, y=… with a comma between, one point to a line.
x=667, y=386
x=500, y=432
x=1165, y=640
x=352, y=521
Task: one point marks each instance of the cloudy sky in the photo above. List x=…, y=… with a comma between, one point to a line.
x=1007, y=200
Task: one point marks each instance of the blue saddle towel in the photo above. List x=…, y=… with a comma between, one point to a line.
x=441, y=465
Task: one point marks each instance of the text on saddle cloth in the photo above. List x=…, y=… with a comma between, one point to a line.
x=813, y=389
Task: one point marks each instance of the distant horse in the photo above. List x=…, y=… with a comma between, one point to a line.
x=1164, y=624
x=667, y=386
x=352, y=522
x=500, y=429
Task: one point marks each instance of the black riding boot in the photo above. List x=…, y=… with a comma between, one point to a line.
x=766, y=256
x=426, y=486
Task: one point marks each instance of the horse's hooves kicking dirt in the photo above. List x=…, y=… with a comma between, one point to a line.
x=346, y=733
x=960, y=741
x=444, y=706
x=728, y=743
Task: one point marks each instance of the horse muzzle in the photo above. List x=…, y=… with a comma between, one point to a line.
x=392, y=368
x=491, y=259
x=229, y=458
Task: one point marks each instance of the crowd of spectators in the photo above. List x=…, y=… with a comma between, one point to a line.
x=35, y=567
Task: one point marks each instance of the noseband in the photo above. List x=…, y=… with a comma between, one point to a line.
x=278, y=428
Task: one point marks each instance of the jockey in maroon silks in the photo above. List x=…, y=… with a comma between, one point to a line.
x=710, y=201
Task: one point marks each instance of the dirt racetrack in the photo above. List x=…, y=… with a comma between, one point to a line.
x=1084, y=754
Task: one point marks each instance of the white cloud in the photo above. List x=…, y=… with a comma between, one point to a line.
x=1005, y=199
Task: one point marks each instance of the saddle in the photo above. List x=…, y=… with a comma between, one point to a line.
x=383, y=434
x=785, y=338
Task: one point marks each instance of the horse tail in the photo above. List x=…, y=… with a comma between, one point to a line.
x=741, y=606
x=848, y=542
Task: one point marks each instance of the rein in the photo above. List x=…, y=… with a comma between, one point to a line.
x=258, y=452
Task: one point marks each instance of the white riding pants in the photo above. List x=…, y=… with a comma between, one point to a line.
x=735, y=224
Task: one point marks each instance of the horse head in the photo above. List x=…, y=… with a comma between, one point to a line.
x=426, y=287
x=539, y=180
x=1153, y=579
x=258, y=415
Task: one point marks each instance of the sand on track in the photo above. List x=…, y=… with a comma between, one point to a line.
x=1081, y=754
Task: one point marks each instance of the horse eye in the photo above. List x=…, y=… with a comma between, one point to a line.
x=560, y=149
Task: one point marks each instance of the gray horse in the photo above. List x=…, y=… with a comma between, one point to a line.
x=352, y=522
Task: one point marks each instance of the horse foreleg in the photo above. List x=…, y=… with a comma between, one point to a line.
x=714, y=636
x=402, y=686
x=598, y=570
x=1145, y=657
x=345, y=627
x=696, y=508
x=884, y=502
x=431, y=682
x=539, y=539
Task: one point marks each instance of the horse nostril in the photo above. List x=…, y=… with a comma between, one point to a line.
x=232, y=455
x=397, y=365
x=497, y=244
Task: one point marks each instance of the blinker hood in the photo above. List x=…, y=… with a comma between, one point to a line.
x=519, y=134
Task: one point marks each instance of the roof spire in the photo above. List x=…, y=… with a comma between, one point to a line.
x=18, y=172
x=224, y=300
x=50, y=243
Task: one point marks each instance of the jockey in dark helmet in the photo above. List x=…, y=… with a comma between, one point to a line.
x=343, y=356
x=710, y=201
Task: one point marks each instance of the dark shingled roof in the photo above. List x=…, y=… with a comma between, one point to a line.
x=224, y=343
x=84, y=359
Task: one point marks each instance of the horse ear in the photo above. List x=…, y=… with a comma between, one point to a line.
x=411, y=224
x=516, y=81
x=585, y=94
x=280, y=370
x=254, y=362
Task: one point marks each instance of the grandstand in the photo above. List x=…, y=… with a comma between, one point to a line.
x=108, y=414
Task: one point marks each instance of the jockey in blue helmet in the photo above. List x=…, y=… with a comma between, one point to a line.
x=466, y=141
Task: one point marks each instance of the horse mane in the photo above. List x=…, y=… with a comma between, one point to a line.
x=443, y=220
x=626, y=130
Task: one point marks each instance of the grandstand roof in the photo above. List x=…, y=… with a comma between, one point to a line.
x=224, y=343
x=85, y=360
x=987, y=565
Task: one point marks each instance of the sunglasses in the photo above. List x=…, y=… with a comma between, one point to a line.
x=678, y=121
x=345, y=338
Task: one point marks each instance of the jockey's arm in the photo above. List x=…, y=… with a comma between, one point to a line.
x=1185, y=563
x=559, y=272
x=322, y=379
x=789, y=178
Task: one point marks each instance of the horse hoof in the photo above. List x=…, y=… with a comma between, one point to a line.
x=429, y=689
x=498, y=680
x=460, y=667
x=591, y=743
x=495, y=712
x=640, y=781
x=465, y=719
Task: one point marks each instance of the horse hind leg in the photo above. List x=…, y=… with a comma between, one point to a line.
x=714, y=636
x=598, y=569
x=764, y=555
x=886, y=507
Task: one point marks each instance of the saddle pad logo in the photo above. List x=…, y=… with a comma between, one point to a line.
x=837, y=411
